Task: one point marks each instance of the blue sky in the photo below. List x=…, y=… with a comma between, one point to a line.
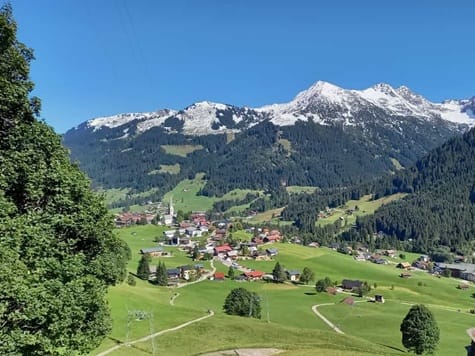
x=97, y=58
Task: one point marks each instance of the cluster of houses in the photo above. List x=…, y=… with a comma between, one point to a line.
x=186, y=272
x=127, y=219
x=256, y=275
x=362, y=253
x=196, y=227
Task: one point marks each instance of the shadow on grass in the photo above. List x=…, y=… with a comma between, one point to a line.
x=310, y=293
x=394, y=348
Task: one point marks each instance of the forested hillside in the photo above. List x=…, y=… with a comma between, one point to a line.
x=264, y=157
x=439, y=209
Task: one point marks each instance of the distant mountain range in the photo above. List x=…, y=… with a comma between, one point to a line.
x=324, y=103
x=326, y=136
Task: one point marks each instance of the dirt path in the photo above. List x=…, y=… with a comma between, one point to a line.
x=172, y=299
x=201, y=279
x=146, y=338
x=328, y=322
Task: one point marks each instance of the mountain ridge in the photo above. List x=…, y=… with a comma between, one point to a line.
x=322, y=102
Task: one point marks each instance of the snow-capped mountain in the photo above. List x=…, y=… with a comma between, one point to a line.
x=326, y=103
x=323, y=103
x=326, y=136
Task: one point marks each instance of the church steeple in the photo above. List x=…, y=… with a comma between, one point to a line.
x=171, y=210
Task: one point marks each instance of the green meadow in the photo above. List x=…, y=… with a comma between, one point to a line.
x=181, y=150
x=185, y=196
x=287, y=319
x=365, y=205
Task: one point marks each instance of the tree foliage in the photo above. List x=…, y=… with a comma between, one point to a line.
x=161, y=274
x=143, y=268
x=419, y=329
x=323, y=284
x=231, y=273
x=307, y=275
x=279, y=273
x=242, y=302
x=57, y=247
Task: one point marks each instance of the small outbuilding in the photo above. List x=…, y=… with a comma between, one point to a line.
x=379, y=298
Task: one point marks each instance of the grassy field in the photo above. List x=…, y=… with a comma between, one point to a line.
x=397, y=165
x=286, y=308
x=295, y=189
x=181, y=150
x=186, y=198
x=167, y=168
x=269, y=215
x=365, y=205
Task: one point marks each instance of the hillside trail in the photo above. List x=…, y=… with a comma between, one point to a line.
x=201, y=279
x=172, y=300
x=146, y=338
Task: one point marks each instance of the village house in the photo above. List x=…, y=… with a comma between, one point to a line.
x=313, y=244
x=218, y=276
x=293, y=275
x=155, y=252
x=187, y=272
x=403, y=265
x=221, y=251
x=254, y=275
x=390, y=253
x=350, y=284
x=458, y=270
x=173, y=273
x=272, y=252
x=193, y=231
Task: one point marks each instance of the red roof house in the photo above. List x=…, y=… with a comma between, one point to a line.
x=253, y=275
x=222, y=249
x=218, y=276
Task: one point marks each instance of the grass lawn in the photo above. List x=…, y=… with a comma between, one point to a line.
x=181, y=150
x=382, y=322
x=286, y=308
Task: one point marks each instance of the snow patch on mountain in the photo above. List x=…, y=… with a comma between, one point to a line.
x=323, y=102
x=117, y=120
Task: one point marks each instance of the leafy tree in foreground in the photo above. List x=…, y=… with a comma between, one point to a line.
x=242, y=302
x=307, y=275
x=58, y=251
x=143, y=269
x=419, y=329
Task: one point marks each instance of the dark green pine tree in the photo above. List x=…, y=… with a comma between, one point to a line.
x=143, y=269
x=161, y=274
x=279, y=273
x=231, y=272
x=58, y=251
x=419, y=329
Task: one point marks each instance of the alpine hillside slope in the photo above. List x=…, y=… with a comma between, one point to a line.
x=326, y=136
